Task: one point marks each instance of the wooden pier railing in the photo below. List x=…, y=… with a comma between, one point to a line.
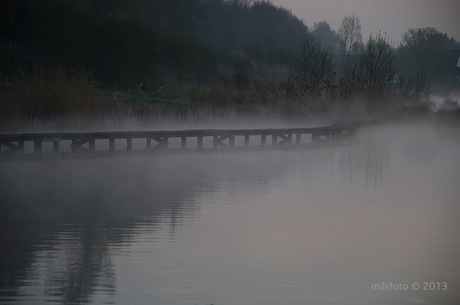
x=40, y=144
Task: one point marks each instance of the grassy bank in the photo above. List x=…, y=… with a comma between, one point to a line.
x=50, y=97
x=59, y=99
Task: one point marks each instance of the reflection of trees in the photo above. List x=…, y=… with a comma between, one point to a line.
x=16, y=254
x=88, y=264
x=70, y=213
x=93, y=204
x=363, y=165
x=353, y=164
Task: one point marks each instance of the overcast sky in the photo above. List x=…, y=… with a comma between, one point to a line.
x=389, y=16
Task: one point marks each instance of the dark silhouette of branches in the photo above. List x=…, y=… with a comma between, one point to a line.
x=420, y=59
x=376, y=65
x=315, y=66
x=349, y=35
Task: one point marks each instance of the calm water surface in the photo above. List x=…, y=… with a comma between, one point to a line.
x=316, y=226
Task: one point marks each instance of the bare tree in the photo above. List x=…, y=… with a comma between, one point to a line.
x=315, y=65
x=420, y=59
x=349, y=35
x=376, y=65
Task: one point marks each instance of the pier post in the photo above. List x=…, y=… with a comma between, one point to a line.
x=246, y=140
x=111, y=144
x=74, y=145
x=37, y=147
x=314, y=137
x=129, y=144
x=148, y=144
x=92, y=145
x=55, y=147
x=20, y=147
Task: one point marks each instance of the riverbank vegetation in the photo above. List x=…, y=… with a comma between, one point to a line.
x=82, y=60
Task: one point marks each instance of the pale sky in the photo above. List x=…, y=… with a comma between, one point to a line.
x=389, y=16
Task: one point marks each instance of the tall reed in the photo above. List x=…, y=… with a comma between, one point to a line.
x=48, y=97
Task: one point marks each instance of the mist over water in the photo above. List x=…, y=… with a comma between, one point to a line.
x=313, y=226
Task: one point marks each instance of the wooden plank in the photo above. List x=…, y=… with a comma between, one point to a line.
x=51, y=138
x=162, y=142
x=316, y=137
x=77, y=144
x=218, y=141
x=280, y=136
x=170, y=134
x=284, y=139
x=11, y=147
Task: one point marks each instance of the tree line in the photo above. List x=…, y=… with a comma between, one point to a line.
x=409, y=67
x=130, y=41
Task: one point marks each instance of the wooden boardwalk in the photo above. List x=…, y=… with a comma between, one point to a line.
x=84, y=143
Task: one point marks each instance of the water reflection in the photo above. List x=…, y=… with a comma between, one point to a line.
x=60, y=219
x=83, y=264
x=299, y=227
